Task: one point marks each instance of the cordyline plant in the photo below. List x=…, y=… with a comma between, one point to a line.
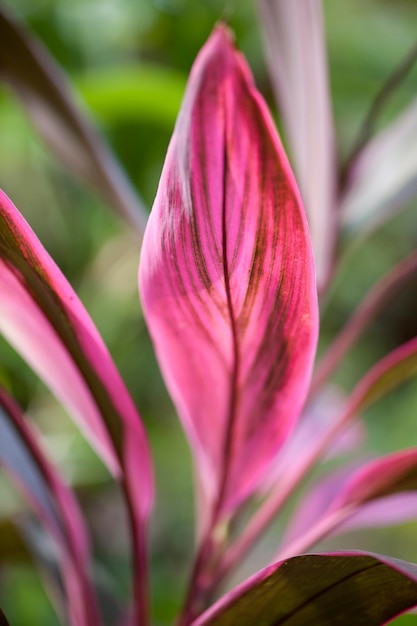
x=229, y=293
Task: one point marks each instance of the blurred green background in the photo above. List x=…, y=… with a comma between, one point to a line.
x=128, y=62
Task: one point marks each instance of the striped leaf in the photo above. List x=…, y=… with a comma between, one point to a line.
x=227, y=278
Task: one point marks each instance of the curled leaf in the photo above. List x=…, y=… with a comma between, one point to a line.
x=227, y=277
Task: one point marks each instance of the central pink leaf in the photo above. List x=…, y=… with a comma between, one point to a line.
x=227, y=278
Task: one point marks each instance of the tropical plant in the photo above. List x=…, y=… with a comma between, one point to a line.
x=228, y=289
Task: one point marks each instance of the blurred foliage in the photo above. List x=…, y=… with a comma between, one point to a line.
x=128, y=61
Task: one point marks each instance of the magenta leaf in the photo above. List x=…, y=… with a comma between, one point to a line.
x=297, y=61
x=341, y=588
x=330, y=505
x=385, y=476
x=36, y=79
x=388, y=511
x=43, y=319
x=54, y=504
x=227, y=278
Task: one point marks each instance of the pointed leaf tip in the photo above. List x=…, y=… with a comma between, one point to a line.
x=227, y=278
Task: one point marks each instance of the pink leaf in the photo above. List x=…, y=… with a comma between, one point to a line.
x=41, y=316
x=55, y=505
x=227, y=278
x=382, y=477
x=388, y=511
x=331, y=504
x=296, y=55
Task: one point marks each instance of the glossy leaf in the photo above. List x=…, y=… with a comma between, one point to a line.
x=30, y=71
x=341, y=588
x=296, y=55
x=227, y=279
x=384, y=175
x=54, y=504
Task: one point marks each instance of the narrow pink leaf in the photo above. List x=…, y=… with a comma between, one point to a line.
x=296, y=55
x=36, y=79
x=41, y=316
x=55, y=505
x=384, y=175
x=389, y=511
x=227, y=278
x=342, y=588
x=382, y=477
x=335, y=500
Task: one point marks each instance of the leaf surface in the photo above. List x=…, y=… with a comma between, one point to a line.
x=341, y=588
x=43, y=319
x=36, y=79
x=227, y=278
x=297, y=62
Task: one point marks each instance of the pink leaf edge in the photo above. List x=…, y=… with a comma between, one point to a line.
x=227, y=277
